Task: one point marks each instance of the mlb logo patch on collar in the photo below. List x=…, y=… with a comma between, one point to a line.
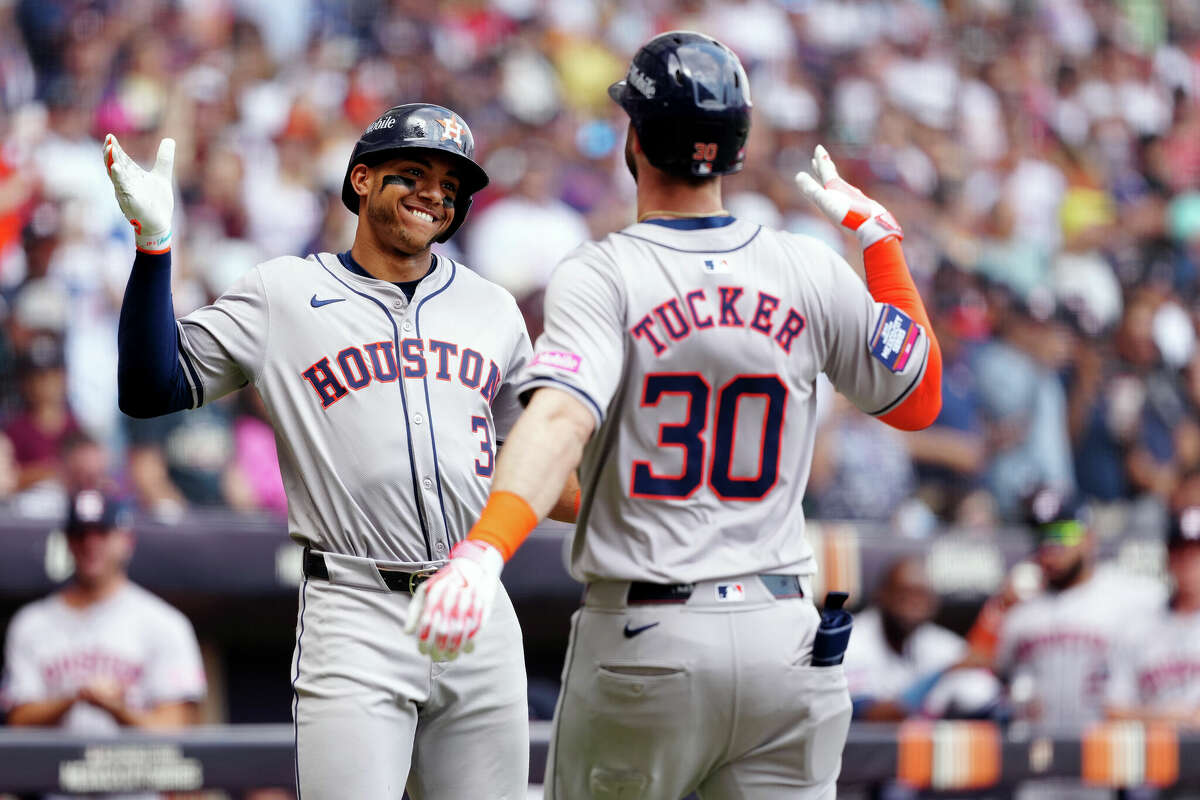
x=895, y=337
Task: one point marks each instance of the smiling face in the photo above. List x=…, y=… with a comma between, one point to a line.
x=409, y=200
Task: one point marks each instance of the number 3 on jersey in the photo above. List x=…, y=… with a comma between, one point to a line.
x=484, y=468
x=689, y=437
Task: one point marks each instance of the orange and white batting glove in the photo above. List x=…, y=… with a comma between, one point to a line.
x=844, y=204
x=146, y=198
x=449, y=609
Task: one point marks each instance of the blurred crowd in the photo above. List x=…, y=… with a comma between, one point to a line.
x=1043, y=157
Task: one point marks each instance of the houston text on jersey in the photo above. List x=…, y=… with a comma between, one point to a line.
x=352, y=367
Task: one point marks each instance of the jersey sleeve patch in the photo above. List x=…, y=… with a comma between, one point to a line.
x=557, y=359
x=895, y=337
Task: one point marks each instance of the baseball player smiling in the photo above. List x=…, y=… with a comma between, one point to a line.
x=677, y=369
x=388, y=372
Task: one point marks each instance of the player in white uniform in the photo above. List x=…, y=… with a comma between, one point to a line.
x=897, y=654
x=388, y=374
x=1157, y=674
x=102, y=653
x=679, y=363
x=1057, y=649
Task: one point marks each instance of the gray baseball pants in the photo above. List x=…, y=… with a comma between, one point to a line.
x=374, y=716
x=715, y=695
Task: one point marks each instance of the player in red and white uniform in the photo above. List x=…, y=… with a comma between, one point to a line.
x=1157, y=674
x=102, y=653
x=1057, y=649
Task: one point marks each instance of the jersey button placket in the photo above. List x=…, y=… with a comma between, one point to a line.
x=427, y=483
x=407, y=325
x=398, y=304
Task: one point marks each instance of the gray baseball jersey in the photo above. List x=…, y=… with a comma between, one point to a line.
x=387, y=412
x=697, y=350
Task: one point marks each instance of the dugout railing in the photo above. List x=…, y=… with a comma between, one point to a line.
x=951, y=757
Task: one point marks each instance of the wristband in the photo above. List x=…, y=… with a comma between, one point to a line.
x=504, y=523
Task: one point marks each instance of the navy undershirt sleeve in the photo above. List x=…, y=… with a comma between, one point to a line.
x=150, y=379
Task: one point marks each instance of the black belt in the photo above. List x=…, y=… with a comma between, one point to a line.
x=394, y=579
x=782, y=586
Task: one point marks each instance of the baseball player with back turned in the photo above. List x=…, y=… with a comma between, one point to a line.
x=678, y=368
x=388, y=372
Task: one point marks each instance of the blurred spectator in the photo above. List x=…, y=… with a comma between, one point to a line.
x=861, y=468
x=86, y=464
x=1024, y=404
x=950, y=454
x=499, y=246
x=255, y=459
x=37, y=432
x=1056, y=650
x=898, y=657
x=8, y=468
x=101, y=653
x=183, y=458
x=1137, y=436
x=1157, y=675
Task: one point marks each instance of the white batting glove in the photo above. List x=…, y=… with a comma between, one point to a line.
x=449, y=609
x=844, y=204
x=146, y=198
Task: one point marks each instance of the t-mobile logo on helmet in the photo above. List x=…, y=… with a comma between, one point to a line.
x=640, y=81
x=383, y=123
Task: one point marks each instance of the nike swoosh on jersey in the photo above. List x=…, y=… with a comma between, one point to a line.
x=632, y=632
x=315, y=303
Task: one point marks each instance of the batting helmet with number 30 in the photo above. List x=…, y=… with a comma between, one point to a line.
x=689, y=101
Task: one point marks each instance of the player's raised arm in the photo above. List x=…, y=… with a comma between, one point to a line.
x=150, y=379
x=166, y=365
x=888, y=282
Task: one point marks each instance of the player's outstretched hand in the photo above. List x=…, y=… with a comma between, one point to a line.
x=844, y=204
x=146, y=198
x=449, y=609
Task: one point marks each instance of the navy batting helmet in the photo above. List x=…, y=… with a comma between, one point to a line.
x=689, y=101
x=420, y=126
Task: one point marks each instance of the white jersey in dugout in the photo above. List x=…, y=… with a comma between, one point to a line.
x=132, y=639
x=1066, y=642
x=1159, y=666
x=697, y=344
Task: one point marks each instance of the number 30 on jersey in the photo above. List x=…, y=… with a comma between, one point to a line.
x=689, y=436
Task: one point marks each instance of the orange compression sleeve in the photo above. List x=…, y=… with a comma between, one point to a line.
x=889, y=281
x=504, y=523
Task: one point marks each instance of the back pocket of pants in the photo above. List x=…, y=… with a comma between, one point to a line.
x=643, y=690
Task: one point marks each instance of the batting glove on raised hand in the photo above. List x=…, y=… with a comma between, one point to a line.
x=844, y=204
x=146, y=198
x=449, y=609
